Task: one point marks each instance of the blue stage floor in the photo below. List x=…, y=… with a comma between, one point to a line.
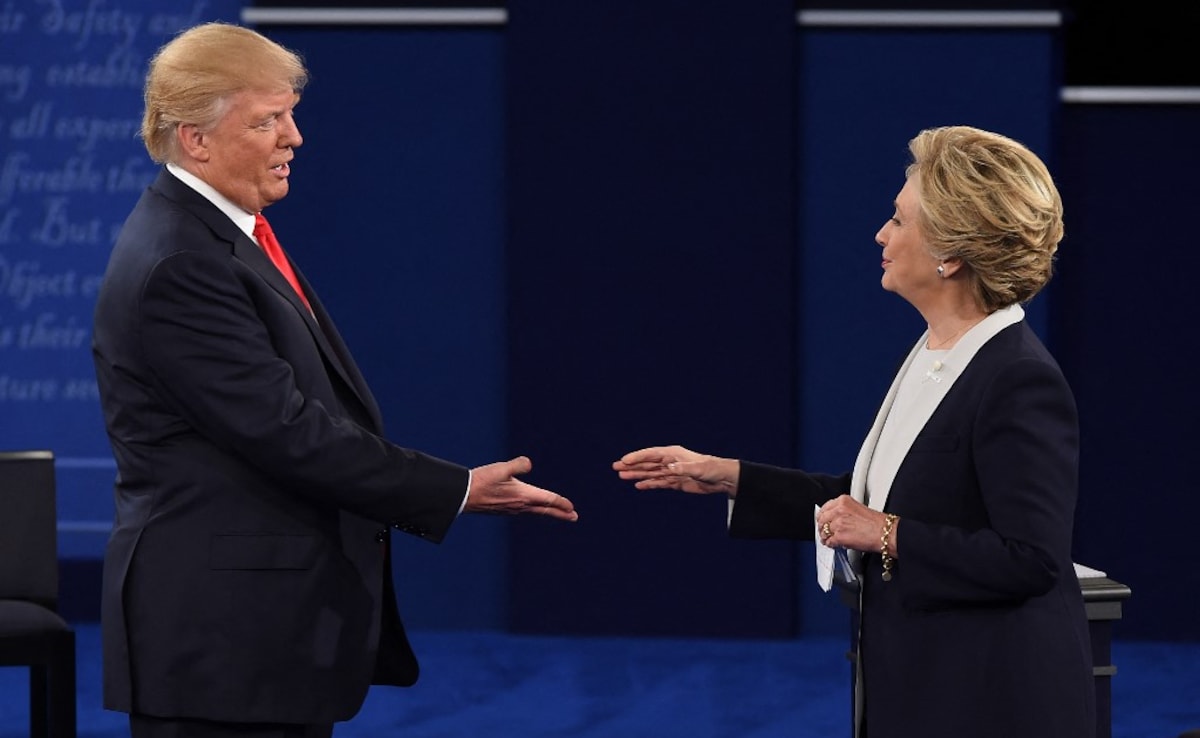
x=496, y=685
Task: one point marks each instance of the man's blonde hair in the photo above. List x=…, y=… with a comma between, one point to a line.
x=192, y=78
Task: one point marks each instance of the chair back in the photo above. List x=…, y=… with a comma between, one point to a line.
x=28, y=528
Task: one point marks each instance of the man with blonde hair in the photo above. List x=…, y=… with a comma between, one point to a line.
x=247, y=581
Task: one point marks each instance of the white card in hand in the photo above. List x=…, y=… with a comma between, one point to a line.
x=824, y=555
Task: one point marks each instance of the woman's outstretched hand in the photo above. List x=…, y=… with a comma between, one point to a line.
x=675, y=467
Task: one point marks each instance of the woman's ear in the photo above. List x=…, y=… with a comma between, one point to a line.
x=948, y=267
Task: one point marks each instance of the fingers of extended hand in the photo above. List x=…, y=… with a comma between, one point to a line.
x=652, y=458
x=627, y=464
x=673, y=464
x=553, y=504
x=639, y=475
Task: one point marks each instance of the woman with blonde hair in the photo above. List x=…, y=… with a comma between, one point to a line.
x=955, y=525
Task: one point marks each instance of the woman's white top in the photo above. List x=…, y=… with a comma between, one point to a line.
x=923, y=380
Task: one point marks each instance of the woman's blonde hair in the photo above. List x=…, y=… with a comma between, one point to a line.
x=192, y=78
x=990, y=201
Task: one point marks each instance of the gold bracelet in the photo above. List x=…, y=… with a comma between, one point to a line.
x=889, y=521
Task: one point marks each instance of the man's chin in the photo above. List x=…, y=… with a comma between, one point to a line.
x=275, y=194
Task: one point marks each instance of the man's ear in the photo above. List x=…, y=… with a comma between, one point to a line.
x=192, y=141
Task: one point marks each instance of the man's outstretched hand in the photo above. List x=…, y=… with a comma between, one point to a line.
x=495, y=489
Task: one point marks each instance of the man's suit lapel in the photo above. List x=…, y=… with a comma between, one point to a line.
x=332, y=345
x=318, y=321
x=246, y=250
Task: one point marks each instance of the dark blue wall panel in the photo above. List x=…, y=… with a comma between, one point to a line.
x=651, y=270
x=1125, y=324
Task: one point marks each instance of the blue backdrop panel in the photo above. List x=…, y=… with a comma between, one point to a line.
x=863, y=94
x=71, y=167
x=396, y=215
x=650, y=273
x=1125, y=320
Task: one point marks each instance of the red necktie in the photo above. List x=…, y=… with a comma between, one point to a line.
x=270, y=244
